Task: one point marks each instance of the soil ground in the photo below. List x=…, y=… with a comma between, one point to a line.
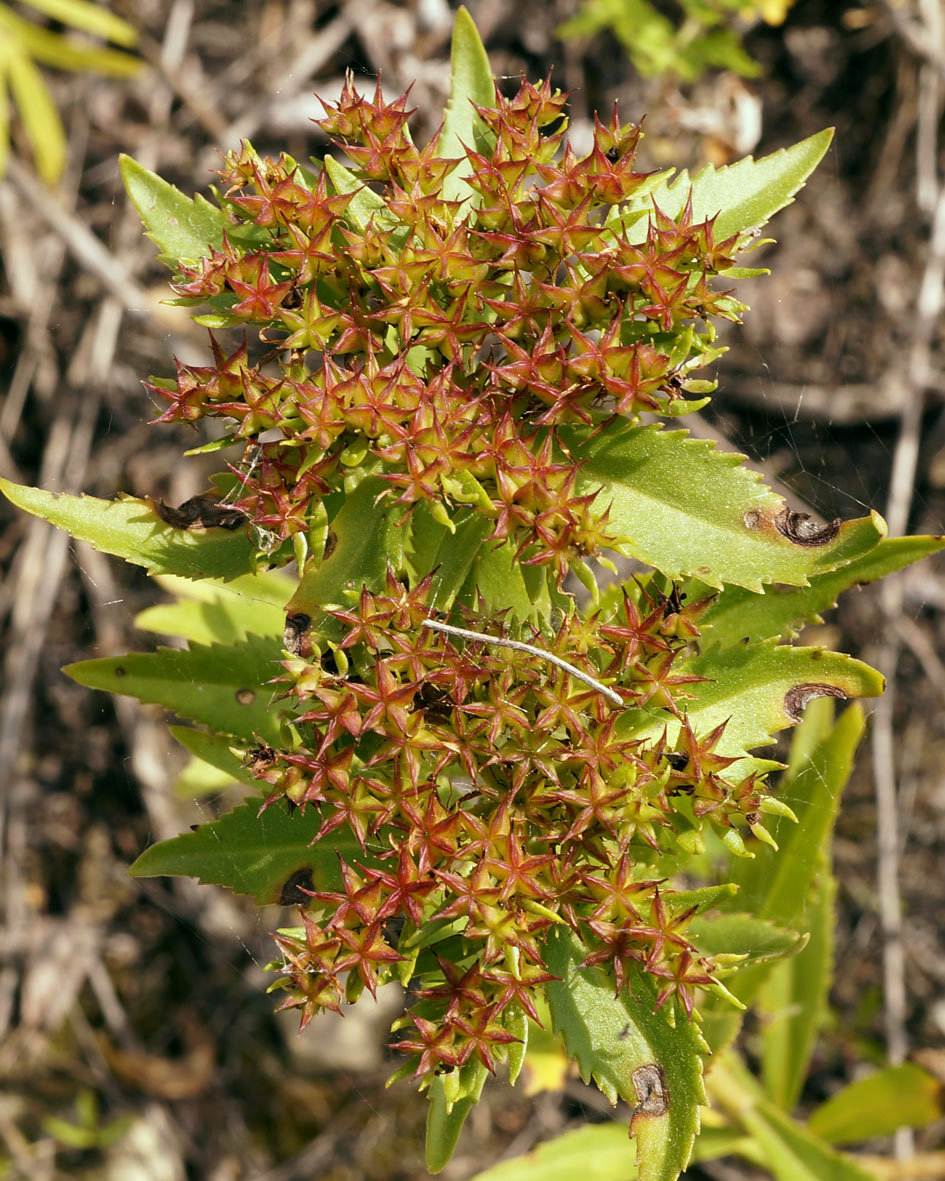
x=139, y=1006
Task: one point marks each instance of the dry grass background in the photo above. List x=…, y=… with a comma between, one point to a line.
x=138, y=1006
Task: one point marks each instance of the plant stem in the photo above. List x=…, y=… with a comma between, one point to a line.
x=520, y=646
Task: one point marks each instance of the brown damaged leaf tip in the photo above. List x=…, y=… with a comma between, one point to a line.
x=796, y=699
x=802, y=529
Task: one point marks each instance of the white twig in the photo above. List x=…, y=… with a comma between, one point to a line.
x=520, y=646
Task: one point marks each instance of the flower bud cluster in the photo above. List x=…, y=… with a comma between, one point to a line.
x=442, y=343
x=494, y=795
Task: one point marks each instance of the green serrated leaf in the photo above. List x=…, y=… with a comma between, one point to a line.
x=504, y=584
x=452, y=1097
x=129, y=529
x=470, y=82
x=744, y=195
x=757, y=690
x=631, y=1052
x=223, y=686
x=603, y=1152
x=182, y=228
x=759, y=940
x=257, y=591
x=253, y=853
x=904, y=1096
x=691, y=510
x=739, y=614
x=201, y=623
x=449, y=555
x=703, y=898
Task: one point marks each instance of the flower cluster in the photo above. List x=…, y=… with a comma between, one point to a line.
x=443, y=327
x=495, y=794
x=442, y=343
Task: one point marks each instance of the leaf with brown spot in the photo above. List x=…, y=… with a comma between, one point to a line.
x=132, y=530
x=631, y=1052
x=757, y=690
x=200, y=512
x=692, y=511
x=223, y=686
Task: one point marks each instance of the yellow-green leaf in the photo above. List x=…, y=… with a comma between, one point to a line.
x=452, y=1097
x=38, y=115
x=603, y=1152
x=744, y=195
x=182, y=228
x=471, y=82
x=759, y=689
x=90, y=18
x=904, y=1096
x=738, y=614
x=51, y=49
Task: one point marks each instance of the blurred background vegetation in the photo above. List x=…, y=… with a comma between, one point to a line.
x=136, y=1039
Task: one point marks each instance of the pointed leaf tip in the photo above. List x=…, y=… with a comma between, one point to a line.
x=470, y=82
x=744, y=195
x=182, y=228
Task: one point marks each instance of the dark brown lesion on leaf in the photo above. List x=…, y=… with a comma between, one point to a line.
x=293, y=889
x=293, y=635
x=799, y=528
x=331, y=542
x=802, y=529
x=200, y=512
x=796, y=699
x=649, y=1082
